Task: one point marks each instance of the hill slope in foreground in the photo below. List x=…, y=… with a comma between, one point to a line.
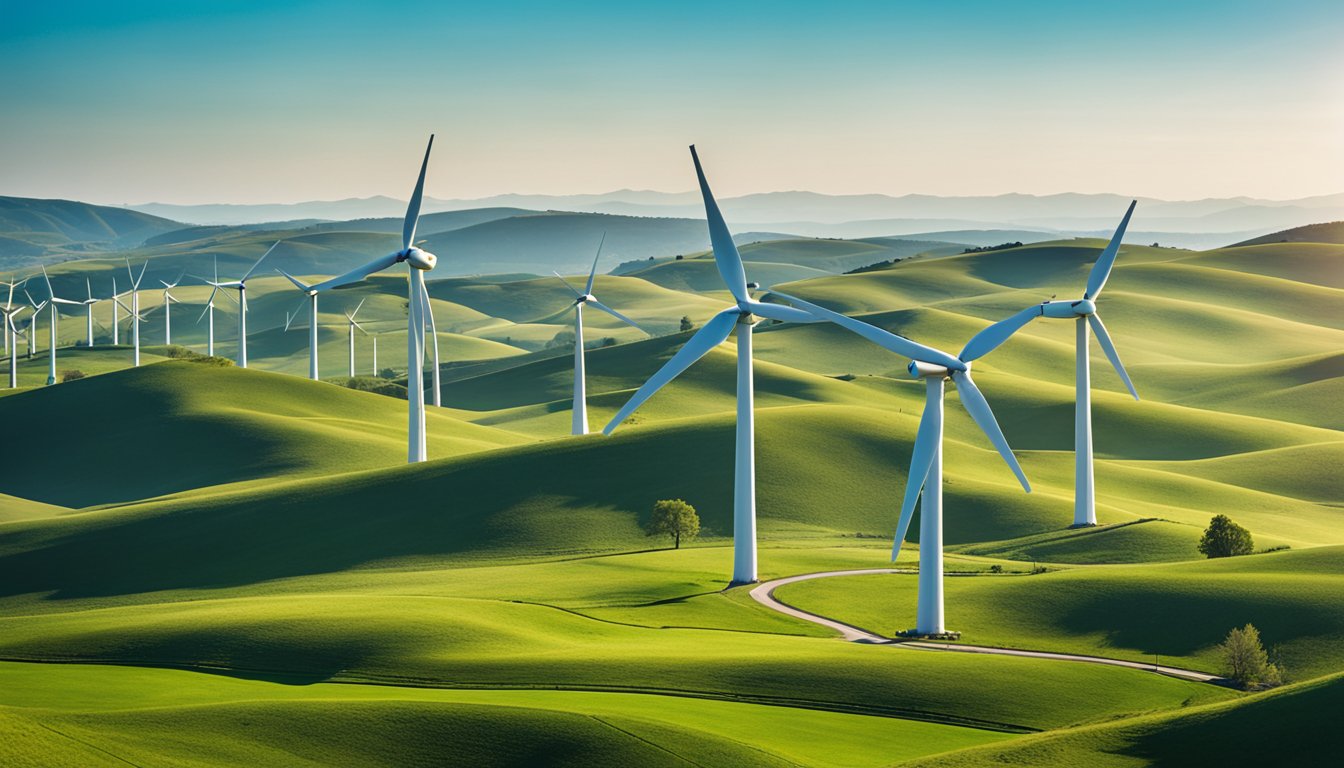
x=493, y=603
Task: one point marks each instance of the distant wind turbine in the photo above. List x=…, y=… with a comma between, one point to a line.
x=926, y=459
x=88, y=313
x=51, y=328
x=210, y=311
x=9, y=303
x=116, y=321
x=30, y=331
x=418, y=261
x=741, y=316
x=310, y=298
x=579, y=425
x=168, y=300
x=353, y=324
x=1084, y=314
x=240, y=285
x=12, y=344
x=134, y=309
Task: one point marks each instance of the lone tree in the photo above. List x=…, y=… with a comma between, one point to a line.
x=686, y=323
x=675, y=518
x=1245, y=659
x=1224, y=538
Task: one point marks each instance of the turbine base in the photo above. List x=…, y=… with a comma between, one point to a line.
x=914, y=634
x=736, y=583
x=1082, y=525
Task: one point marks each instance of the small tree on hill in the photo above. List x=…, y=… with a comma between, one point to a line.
x=686, y=324
x=1245, y=659
x=675, y=518
x=1224, y=538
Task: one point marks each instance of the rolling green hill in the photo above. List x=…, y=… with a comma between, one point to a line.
x=1332, y=232
x=31, y=227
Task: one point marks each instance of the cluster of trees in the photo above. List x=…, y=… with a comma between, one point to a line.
x=999, y=247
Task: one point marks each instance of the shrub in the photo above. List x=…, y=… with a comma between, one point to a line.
x=378, y=386
x=72, y=374
x=1224, y=538
x=686, y=324
x=216, y=360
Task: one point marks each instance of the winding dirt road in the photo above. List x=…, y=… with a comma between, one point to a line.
x=765, y=595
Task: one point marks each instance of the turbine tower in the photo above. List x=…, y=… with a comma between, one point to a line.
x=30, y=330
x=741, y=316
x=210, y=310
x=12, y=344
x=926, y=459
x=434, y=336
x=310, y=298
x=51, y=327
x=418, y=261
x=240, y=285
x=580, y=415
x=1084, y=314
x=134, y=309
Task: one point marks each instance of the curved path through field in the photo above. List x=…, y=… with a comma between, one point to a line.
x=765, y=595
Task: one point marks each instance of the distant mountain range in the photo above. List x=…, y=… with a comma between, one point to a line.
x=819, y=215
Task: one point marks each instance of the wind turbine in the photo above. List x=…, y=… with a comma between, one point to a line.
x=1084, y=314
x=741, y=316
x=580, y=415
x=30, y=331
x=434, y=336
x=353, y=324
x=51, y=327
x=310, y=298
x=210, y=310
x=9, y=304
x=12, y=344
x=134, y=309
x=88, y=313
x=168, y=300
x=240, y=285
x=418, y=261
x=926, y=460
x=116, y=321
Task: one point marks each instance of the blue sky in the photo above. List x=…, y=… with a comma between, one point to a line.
x=273, y=102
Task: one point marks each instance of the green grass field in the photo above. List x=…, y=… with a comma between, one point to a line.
x=206, y=565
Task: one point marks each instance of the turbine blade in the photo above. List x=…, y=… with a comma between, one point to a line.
x=921, y=460
x=978, y=407
x=1107, y=346
x=708, y=337
x=297, y=284
x=207, y=306
x=143, y=267
x=357, y=308
x=613, y=313
x=990, y=338
x=291, y=317
x=781, y=312
x=593, y=273
x=726, y=257
x=359, y=273
x=886, y=339
x=1102, y=269
x=572, y=289
x=413, y=209
x=258, y=264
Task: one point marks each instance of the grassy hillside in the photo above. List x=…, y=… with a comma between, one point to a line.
x=31, y=227
x=1332, y=232
x=215, y=425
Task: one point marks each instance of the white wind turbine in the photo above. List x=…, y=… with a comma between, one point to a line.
x=168, y=300
x=51, y=327
x=12, y=343
x=580, y=416
x=353, y=324
x=88, y=313
x=239, y=285
x=9, y=304
x=926, y=458
x=741, y=316
x=134, y=309
x=30, y=330
x=310, y=298
x=210, y=310
x=418, y=261
x=116, y=320
x=1084, y=314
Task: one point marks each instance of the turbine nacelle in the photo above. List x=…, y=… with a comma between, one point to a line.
x=921, y=370
x=1068, y=309
x=417, y=258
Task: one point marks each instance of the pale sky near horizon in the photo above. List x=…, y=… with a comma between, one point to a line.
x=255, y=102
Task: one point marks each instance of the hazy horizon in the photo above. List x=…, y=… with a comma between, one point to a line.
x=186, y=103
